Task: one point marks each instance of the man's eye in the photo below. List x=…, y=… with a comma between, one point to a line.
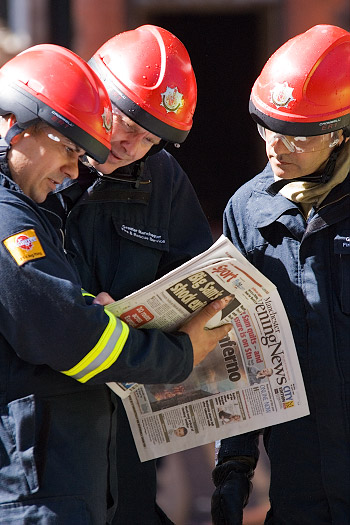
x=127, y=125
x=152, y=141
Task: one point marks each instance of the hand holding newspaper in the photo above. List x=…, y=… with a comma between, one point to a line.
x=252, y=378
x=203, y=340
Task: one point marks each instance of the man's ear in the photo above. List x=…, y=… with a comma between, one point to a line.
x=7, y=123
x=11, y=120
x=342, y=137
x=15, y=139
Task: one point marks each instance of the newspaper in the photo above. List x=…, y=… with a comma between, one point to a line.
x=252, y=378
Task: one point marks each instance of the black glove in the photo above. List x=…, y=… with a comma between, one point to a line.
x=233, y=484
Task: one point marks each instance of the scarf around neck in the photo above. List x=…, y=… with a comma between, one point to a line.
x=310, y=194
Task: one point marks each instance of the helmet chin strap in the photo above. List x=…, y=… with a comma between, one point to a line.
x=327, y=172
x=132, y=178
x=135, y=177
x=318, y=177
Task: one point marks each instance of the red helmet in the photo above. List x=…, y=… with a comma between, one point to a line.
x=149, y=77
x=304, y=88
x=50, y=83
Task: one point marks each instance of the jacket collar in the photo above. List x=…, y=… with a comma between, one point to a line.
x=268, y=208
x=85, y=173
x=5, y=175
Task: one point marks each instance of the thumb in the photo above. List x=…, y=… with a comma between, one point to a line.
x=103, y=298
x=213, y=308
x=203, y=340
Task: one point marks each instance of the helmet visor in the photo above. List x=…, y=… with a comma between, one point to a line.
x=301, y=144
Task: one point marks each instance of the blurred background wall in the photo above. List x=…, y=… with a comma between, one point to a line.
x=228, y=41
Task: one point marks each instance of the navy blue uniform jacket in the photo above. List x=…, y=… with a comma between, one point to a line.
x=55, y=431
x=121, y=238
x=309, y=262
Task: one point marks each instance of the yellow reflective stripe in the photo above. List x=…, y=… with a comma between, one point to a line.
x=116, y=342
x=84, y=293
x=104, y=353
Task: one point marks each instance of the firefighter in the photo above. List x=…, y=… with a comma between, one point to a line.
x=58, y=348
x=292, y=221
x=139, y=216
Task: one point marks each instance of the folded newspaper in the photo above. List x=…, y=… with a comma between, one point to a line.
x=252, y=378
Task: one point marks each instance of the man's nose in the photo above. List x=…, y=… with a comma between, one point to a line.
x=71, y=168
x=132, y=143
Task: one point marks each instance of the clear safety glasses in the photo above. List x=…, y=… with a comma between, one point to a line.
x=70, y=146
x=301, y=144
x=66, y=142
x=126, y=124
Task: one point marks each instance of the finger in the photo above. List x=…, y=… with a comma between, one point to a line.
x=216, y=334
x=221, y=331
x=103, y=298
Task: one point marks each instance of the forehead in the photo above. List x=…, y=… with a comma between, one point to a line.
x=133, y=124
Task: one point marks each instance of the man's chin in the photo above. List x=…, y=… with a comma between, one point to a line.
x=106, y=169
x=283, y=172
x=110, y=165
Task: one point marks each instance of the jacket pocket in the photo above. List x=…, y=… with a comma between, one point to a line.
x=342, y=248
x=18, y=475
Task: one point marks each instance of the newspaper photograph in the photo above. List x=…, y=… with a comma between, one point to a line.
x=252, y=378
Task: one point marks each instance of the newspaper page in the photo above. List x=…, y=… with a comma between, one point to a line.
x=252, y=378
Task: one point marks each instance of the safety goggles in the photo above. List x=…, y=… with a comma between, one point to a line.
x=128, y=125
x=301, y=144
x=71, y=146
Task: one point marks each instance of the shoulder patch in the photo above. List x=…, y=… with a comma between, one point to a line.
x=24, y=247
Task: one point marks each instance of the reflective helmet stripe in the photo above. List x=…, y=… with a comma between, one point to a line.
x=104, y=353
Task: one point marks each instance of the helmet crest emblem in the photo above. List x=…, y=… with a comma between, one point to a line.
x=172, y=100
x=107, y=119
x=281, y=95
